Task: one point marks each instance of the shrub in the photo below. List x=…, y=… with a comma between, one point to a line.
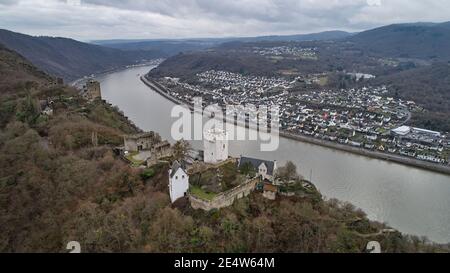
x=148, y=173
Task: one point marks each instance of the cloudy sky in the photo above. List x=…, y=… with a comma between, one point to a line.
x=140, y=19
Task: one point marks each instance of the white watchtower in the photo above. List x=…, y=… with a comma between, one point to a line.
x=178, y=182
x=216, y=146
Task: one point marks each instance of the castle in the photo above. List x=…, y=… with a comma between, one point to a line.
x=215, y=146
x=92, y=90
x=141, y=142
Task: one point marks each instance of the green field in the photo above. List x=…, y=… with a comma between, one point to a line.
x=199, y=192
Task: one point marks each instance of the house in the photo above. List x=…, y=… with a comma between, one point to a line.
x=265, y=169
x=178, y=182
x=141, y=142
x=216, y=146
x=270, y=191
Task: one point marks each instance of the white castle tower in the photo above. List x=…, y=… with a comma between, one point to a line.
x=216, y=146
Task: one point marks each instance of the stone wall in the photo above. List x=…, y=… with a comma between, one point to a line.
x=93, y=90
x=143, y=141
x=225, y=199
x=156, y=158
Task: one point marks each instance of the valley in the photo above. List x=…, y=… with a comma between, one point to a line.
x=363, y=155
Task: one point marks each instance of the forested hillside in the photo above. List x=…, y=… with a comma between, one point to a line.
x=423, y=41
x=429, y=86
x=59, y=184
x=71, y=59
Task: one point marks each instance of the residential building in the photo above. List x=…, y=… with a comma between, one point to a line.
x=265, y=169
x=178, y=182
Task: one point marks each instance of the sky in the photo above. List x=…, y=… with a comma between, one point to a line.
x=88, y=20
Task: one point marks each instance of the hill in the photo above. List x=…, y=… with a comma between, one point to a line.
x=245, y=58
x=68, y=58
x=165, y=47
x=14, y=68
x=320, y=36
x=186, y=65
x=422, y=40
x=174, y=47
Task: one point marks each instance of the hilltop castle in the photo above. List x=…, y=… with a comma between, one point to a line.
x=92, y=90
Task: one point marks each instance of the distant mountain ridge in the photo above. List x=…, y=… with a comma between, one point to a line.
x=423, y=42
x=320, y=36
x=72, y=59
x=165, y=47
x=333, y=34
x=176, y=46
x=68, y=58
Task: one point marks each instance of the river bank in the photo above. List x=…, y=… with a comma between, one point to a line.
x=372, y=154
x=328, y=144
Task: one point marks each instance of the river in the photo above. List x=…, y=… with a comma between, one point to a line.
x=412, y=200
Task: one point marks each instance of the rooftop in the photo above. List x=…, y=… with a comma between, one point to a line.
x=257, y=162
x=175, y=167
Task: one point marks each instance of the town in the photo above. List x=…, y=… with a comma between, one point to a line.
x=289, y=51
x=365, y=117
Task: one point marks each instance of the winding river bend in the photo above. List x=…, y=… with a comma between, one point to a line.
x=411, y=200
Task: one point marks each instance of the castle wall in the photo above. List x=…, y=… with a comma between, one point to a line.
x=145, y=142
x=93, y=90
x=225, y=199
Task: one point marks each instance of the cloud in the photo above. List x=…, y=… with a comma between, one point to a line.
x=107, y=19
